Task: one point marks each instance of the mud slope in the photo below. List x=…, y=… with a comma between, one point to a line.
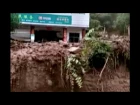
x=115, y=81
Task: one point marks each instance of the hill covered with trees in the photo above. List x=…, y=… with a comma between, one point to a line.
x=110, y=22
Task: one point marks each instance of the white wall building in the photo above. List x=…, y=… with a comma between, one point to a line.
x=70, y=27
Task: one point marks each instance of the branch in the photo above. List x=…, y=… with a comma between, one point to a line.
x=102, y=71
x=103, y=67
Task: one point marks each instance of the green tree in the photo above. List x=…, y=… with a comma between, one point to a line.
x=14, y=21
x=105, y=20
x=110, y=21
x=122, y=22
x=94, y=22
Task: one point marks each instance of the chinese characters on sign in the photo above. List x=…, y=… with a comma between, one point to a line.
x=45, y=18
x=63, y=19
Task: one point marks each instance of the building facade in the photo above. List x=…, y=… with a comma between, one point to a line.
x=69, y=27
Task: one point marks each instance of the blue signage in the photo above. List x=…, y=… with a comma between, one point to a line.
x=45, y=18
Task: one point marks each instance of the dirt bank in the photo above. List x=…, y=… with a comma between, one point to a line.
x=112, y=81
x=40, y=68
x=37, y=67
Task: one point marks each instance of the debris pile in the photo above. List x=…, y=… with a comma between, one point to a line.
x=37, y=65
x=40, y=67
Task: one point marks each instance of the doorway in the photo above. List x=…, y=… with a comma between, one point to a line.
x=45, y=35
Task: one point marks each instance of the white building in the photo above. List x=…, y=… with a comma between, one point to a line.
x=69, y=27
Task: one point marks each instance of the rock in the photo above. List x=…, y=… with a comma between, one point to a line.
x=65, y=44
x=74, y=49
x=49, y=82
x=62, y=42
x=76, y=44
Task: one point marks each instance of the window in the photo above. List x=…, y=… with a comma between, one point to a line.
x=74, y=37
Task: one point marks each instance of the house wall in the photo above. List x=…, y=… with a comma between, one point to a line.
x=74, y=30
x=23, y=33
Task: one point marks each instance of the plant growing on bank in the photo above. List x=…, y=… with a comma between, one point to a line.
x=78, y=65
x=94, y=47
x=14, y=20
x=75, y=65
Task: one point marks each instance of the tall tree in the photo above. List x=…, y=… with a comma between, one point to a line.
x=105, y=19
x=110, y=21
x=122, y=22
x=14, y=21
x=94, y=22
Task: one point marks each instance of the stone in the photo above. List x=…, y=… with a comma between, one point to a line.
x=74, y=49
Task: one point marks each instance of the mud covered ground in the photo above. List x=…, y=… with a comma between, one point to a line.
x=34, y=64
x=37, y=67
x=112, y=81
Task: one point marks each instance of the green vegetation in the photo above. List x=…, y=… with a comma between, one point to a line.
x=79, y=64
x=110, y=21
x=14, y=21
x=94, y=54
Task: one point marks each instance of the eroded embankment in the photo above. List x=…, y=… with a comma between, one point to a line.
x=40, y=68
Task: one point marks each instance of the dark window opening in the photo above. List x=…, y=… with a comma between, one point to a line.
x=74, y=37
x=45, y=35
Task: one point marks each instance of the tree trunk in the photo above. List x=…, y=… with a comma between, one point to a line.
x=104, y=31
x=124, y=28
x=129, y=30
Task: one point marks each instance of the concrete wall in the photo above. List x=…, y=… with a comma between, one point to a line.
x=23, y=33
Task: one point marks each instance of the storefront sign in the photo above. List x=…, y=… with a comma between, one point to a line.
x=45, y=18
